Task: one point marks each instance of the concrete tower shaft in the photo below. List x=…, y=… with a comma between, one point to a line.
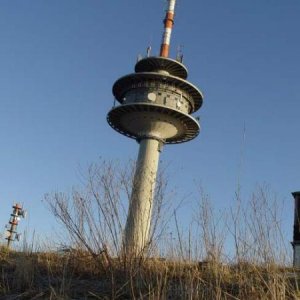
x=155, y=107
x=138, y=224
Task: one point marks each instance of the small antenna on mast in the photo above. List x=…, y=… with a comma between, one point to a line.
x=169, y=22
x=179, y=55
x=148, y=51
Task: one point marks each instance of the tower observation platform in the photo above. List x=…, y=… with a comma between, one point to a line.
x=155, y=107
x=156, y=102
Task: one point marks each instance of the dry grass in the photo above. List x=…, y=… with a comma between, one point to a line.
x=79, y=275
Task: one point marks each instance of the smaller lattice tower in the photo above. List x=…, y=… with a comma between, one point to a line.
x=156, y=103
x=11, y=232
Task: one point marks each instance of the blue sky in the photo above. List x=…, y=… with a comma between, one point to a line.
x=60, y=58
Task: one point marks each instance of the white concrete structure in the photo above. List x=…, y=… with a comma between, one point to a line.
x=156, y=103
x=139, y=219
x=296, y=233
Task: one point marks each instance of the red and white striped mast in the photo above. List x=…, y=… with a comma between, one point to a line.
x=12, y=234
x=169, y=22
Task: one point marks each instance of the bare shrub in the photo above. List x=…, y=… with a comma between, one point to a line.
x=210, y=225
x=95, y=215
x=257, y=231
x=234, y=253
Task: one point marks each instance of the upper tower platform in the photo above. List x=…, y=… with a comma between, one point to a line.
x=157, y=63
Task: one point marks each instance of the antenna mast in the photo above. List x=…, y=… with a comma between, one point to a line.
x=12, y=234
x=169, y=22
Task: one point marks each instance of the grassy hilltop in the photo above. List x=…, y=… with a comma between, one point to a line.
x=238, y=253
x=79, y=275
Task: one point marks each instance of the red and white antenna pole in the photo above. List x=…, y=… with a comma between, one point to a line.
x=12, y=234
x=169, y=22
